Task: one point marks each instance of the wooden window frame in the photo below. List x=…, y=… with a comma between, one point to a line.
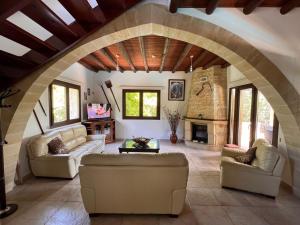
x=141, y=117
x=253, y=116
x=68, y=121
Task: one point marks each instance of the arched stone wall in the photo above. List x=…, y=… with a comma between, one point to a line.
x=151, y=19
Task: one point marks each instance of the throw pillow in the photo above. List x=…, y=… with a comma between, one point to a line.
x=56, y=146
x=248, y=157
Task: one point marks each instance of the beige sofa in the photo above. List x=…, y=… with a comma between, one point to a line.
x=262, y=176
x=134, y=183
x=76, y=141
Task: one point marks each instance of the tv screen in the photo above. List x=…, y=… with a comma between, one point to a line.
x=98, y=111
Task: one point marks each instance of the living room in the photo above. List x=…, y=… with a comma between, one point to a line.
x=206, y=126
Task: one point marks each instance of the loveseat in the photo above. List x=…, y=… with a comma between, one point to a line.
x=262, y=176
x=134, y=183
x=77, y=142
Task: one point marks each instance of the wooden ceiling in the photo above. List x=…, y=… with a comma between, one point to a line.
x=87, y=19
x=248, y=6
x=151, y=53
x=135, y=54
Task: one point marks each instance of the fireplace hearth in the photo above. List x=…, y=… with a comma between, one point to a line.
x=199, y=133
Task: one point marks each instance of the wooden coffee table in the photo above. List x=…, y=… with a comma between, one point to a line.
x=129, y=146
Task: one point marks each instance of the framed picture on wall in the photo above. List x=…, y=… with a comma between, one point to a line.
x=176, y=89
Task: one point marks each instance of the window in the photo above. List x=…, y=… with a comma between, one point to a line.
x=141, y=104
x=64, y=103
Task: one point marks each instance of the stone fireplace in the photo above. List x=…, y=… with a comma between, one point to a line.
x=206, y=119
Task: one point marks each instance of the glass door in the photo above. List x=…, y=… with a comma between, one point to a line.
x=245, y=117
x=242, y=100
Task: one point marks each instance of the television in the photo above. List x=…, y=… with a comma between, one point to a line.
x=98, y=111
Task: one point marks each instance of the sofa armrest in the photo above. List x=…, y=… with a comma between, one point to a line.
x=229, y=162
x=95, y=137
x=232, y=152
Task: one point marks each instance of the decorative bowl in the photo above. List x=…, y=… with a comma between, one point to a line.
x=142, y=141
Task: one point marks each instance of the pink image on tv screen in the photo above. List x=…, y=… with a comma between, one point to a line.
x=98, y=111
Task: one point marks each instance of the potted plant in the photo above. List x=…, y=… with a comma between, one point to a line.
x=173, y=118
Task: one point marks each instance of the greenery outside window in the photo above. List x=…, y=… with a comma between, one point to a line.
x=141, y=104
x=64, y=103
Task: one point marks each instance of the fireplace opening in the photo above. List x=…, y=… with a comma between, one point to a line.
x=200, y=133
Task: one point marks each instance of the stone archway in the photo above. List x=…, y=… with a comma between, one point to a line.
x=154, y=19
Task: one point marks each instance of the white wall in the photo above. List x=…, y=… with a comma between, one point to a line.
x=150, y=128
x=275, y=35
x=76, y=74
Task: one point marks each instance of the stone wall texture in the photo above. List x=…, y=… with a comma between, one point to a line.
x=152, y=19
x=211, y=103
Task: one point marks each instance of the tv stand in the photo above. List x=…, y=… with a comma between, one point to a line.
x=106, y=127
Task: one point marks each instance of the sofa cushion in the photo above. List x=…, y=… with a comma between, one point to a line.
x=163, y=159
x=247, y=157
x=80, y=134
x=67, y=135
x=56, y=146
x=266, y=157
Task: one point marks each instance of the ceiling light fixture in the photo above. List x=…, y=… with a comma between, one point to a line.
x=117, y=66
x=191, y=66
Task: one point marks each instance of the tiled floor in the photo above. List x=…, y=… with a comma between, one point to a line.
x=56, y=202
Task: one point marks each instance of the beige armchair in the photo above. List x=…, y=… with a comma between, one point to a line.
x=263, y=176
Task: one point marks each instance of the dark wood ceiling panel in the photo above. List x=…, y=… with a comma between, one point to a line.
x=9, y=7
x=20, y=36
x=40, y=13
x=229, y=3
x=114, y=51
x=83, y=13
x=87, y=20
x=154, y=46
x=175, y=49
x=132, y=46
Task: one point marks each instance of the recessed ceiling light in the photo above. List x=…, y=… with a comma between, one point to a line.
x=24, y=22
x=153, y=56
x=12, y=47
x=59, y=10
x=93, y=3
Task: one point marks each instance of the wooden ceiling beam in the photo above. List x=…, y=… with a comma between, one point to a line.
x=212, y=5
x=174, y=6
x=251, y=6
x=20, y=36
x=212, y=62
x=143, y=52
x=182, y=56
x=164, y=55
x=197, y=61
x=225, y=64
x=9, y=7
x=87, y=65
x=15, y=61
x=110, y=58
x=99, y=62
x=124, y=52
x=83, y=13
x=40, y=13
x=289, y=6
